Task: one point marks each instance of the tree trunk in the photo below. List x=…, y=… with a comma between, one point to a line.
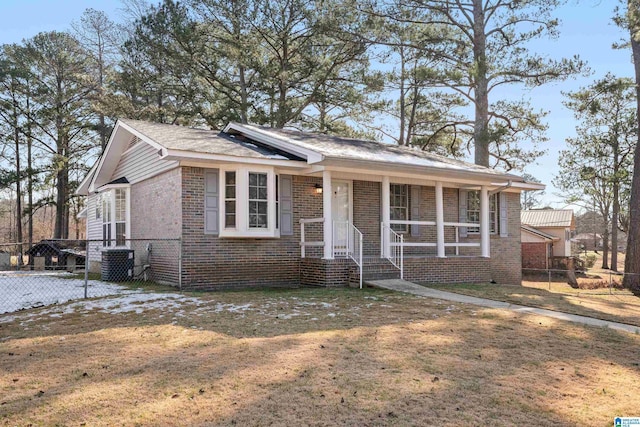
x=481, y=95
x=16, y=134
x=614, y=224
x=632, y=259
x=605, y=248
x=403, y=94
x=29, y=176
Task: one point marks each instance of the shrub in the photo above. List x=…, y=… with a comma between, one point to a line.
x=590, y=260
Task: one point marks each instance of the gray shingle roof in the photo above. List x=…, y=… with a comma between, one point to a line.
x=184, y=138
x=547, y=218
x=357, y=149
x=330, y=147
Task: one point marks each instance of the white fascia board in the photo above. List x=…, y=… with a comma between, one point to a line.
x=523, y=185
x=109, y=150
x=193, y=156
x=279, y=142
x=142, y=136
x=82, y=213
x=83, y=188
x=541, y=235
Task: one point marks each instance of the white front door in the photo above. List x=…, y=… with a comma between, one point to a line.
x=341, y=215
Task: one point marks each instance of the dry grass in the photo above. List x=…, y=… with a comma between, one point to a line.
x=617, y=305
x=312, y=357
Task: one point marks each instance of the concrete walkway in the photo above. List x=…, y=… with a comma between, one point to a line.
x=412, y=288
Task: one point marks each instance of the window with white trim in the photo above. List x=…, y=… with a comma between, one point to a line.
x=106, y=219
x=473, y=211
x=258, y=202
x=120, y=218
x=399, y=206
x=249, y=207
x=114, y=213
x=230, y=199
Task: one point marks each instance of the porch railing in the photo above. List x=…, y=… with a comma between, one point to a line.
x=303, y=243
x=392, y=247
x=457, y=244
x=347, y=241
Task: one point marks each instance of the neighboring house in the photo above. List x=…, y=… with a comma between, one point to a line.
x=546, y=231
x=537, y=248
x=255, y=206
x=589, y=241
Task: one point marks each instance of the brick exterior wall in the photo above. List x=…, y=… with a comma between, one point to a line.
x=156, y=208
x=366, y=215
x=506, y=260
x=534, y=255
x=448, y=270
x=156, y=218
x=211, y=263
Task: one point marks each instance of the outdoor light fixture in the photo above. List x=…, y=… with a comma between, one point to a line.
x=317, y=189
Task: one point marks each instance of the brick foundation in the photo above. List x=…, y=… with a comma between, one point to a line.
x=325, y=272
x=448, y=270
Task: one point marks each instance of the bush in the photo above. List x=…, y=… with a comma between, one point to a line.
x=590, y=260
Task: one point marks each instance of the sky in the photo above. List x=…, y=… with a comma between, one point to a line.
x=586, y=30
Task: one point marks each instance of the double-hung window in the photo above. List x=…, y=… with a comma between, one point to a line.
x=113, y=207
x=106, y=218
x=249, y=202
x=258, y=201
x=473, y=211
x=399, y=205
x=230, y=200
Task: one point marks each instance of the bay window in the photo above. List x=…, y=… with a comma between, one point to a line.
x=249, y=202
x=113, y=208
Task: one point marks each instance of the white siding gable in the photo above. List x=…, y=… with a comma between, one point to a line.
x=140, y=162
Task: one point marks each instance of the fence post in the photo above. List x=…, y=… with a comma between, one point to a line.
x=86, y=268
x=180, y=263
x=549, y=278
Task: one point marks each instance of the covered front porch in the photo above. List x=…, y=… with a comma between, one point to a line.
x=421, y=228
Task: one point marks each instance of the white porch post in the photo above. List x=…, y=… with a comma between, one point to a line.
x=484, y=222
x=326, y=213
x=385, y=197
x=439, y=220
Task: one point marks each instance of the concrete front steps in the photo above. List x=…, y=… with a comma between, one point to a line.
x=373, y=268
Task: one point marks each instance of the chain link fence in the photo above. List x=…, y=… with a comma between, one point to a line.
x=56, y=271
x=608, y=281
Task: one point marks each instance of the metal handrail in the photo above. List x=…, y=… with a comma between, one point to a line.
x=356, y=237
x=392, y=247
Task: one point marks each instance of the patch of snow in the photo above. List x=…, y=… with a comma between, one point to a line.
x=24, y=290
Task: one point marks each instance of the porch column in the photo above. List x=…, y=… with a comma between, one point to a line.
x=326, y=213
x=439, y=220
x=484, y=222
x=385, y=201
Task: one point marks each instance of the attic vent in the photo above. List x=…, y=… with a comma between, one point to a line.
x=134, y=141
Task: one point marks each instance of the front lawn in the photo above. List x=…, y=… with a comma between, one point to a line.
x=617, y=305
x=308, y=357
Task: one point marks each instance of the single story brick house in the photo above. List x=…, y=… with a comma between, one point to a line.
x=256, y=206
x=546, y=237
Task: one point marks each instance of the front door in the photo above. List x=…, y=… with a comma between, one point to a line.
x=341, y=215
